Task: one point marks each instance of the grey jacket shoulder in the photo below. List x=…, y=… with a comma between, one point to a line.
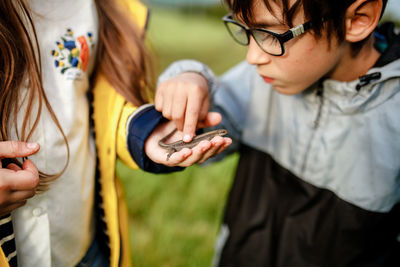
x=355, y=150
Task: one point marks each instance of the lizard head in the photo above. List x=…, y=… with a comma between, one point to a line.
x=222, y=132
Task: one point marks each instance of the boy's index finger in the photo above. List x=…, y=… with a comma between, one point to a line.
x=17, y=149
x=191, y=119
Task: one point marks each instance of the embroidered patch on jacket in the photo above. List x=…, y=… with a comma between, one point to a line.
x=72, y=52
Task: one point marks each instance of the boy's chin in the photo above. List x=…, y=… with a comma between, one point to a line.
x=288, y=90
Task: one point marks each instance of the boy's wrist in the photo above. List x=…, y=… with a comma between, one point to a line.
x=193, y=66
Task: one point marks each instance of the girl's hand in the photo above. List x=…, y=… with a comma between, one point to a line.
x=185, y=157
x=184, y=100
x=17, y=184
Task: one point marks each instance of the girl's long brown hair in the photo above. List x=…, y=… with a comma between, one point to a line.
x=121, y=57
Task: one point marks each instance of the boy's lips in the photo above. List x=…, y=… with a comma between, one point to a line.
x=267, y=79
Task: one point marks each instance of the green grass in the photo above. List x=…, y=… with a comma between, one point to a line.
x=175, y=218
x=200, y=35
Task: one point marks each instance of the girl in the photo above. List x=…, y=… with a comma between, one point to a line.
x=59, y=58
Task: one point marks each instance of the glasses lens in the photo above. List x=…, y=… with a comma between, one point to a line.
x=268, y=42
x=238, y=33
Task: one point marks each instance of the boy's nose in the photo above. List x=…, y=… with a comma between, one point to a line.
x=255, y=55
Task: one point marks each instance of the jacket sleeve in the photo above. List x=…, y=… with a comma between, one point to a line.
x=230, y=94
x=139, y=126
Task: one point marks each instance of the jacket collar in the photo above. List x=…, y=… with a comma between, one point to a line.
x=379, y=84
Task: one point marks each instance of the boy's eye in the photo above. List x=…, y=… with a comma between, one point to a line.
x=240, y=31
x=266, y=38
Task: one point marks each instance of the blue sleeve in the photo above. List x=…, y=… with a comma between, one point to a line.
x=140, y=126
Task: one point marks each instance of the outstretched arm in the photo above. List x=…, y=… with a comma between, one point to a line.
x=181, y=153
x=147, y=127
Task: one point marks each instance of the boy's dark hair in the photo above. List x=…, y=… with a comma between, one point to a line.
x=321, y=12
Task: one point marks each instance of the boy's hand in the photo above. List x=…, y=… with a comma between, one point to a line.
x=17, y=184
x=185, y=157
x=184, y=100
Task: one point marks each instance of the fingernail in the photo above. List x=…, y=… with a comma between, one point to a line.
x=32, y=145
x=187, y=138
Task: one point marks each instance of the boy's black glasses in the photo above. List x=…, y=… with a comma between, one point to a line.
x=269, y=42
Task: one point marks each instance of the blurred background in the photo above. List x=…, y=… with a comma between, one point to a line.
x=175, y=218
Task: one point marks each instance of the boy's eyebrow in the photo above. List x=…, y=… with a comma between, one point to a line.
x=265, y=24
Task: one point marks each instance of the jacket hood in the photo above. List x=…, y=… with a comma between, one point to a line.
x=380, y=83
x=386, y=33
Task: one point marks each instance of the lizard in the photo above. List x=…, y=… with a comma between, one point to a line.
x=178, y=145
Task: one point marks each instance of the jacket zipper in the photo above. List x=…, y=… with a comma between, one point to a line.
x=320, y=95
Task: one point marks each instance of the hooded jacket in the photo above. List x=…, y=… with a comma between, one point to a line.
x=318, y=180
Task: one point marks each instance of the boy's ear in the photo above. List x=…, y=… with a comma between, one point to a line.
x=361, y=19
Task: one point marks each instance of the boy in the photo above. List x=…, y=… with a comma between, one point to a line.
x=314, y=114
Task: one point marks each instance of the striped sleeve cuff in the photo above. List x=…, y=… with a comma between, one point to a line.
x=7, y=240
